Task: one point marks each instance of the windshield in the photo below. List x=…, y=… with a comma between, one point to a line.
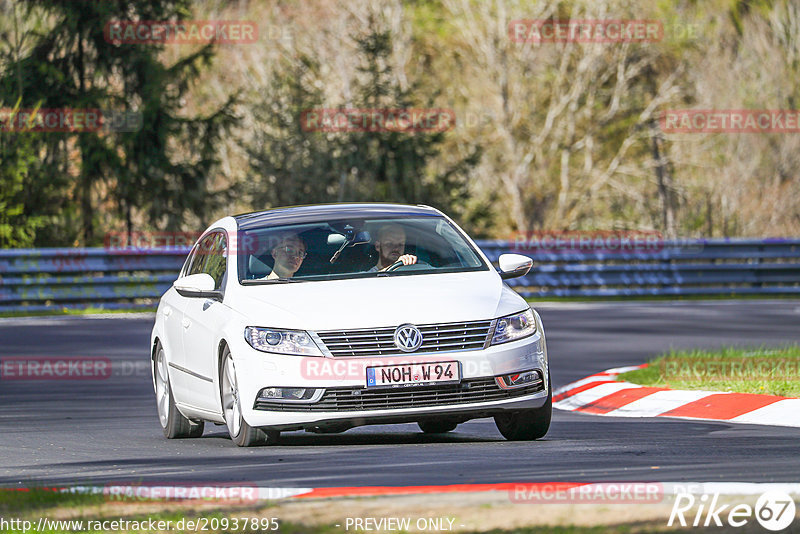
x=351, y=248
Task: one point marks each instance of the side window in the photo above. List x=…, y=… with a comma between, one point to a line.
x=210, y=257
x=216, y=262
x=200, y=255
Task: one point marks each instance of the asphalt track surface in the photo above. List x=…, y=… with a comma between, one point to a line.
x=107, y=431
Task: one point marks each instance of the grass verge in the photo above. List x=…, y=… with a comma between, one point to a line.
x=465, y=514
x=771, y=371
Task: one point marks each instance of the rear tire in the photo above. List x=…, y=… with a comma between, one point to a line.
x=173, y=423
x=527, y=425
x=437, y=427
x=241, y=433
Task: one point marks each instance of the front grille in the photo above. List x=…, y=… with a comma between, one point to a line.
x=348, y=399
x=380, y=341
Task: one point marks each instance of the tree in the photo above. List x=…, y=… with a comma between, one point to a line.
x=567, y=132
x=18, y=156
x=293, y=165
x=159, y=171
x=288, y=165
x=396, y=165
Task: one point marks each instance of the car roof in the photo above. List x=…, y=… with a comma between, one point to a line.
x=323, y=212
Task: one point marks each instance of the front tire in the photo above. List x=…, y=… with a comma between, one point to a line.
x=173, y=423
x=527, y=425
x=241, y=433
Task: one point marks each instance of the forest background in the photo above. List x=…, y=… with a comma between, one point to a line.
x=547, y=136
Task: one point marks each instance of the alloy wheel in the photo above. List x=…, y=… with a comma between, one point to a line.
x=162, y=387
x=230, y=398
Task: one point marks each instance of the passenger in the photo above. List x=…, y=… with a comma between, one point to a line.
x=289, y=255
x=391, y=247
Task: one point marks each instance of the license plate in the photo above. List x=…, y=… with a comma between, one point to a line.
x=414, y=374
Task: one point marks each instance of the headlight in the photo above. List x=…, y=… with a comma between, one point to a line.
x=514, y=327
x=296, y=342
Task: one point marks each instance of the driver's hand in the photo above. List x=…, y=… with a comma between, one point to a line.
x=408, y=259
x=405, y=259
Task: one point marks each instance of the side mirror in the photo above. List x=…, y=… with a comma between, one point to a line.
x=514, y=265
x=197, y=285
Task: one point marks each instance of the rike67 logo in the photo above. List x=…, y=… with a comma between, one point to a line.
x=774, y=510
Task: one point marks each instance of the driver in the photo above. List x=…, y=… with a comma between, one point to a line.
x=391, y=247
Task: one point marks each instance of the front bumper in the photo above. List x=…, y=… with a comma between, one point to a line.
x=346, y=400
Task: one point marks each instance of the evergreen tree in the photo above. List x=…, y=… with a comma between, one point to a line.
x=295, y=165
x=289, y=165
x=162, y=169
x=394, y=165
x=18, y=157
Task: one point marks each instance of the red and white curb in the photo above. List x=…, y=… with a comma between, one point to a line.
x=602, y=394
x=517, y=491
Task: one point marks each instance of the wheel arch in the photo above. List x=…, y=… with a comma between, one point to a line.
x=153, y=351
x=223, y=344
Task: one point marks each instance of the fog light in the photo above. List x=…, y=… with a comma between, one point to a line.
x=271, y=393
x=286, y=394
x=516, y=380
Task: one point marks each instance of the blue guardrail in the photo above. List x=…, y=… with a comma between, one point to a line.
x=74, y=278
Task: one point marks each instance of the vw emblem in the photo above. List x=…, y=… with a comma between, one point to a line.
x=407, y=337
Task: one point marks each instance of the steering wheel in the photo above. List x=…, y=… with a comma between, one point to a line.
x=393, y=267
x=396, y=265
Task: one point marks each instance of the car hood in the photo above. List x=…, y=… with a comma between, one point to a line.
x=377, y=302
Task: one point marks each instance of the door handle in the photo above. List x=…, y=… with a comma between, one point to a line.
x=186, y=322
x=167, y=311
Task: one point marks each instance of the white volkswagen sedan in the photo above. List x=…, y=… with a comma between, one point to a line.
x=322, y=318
